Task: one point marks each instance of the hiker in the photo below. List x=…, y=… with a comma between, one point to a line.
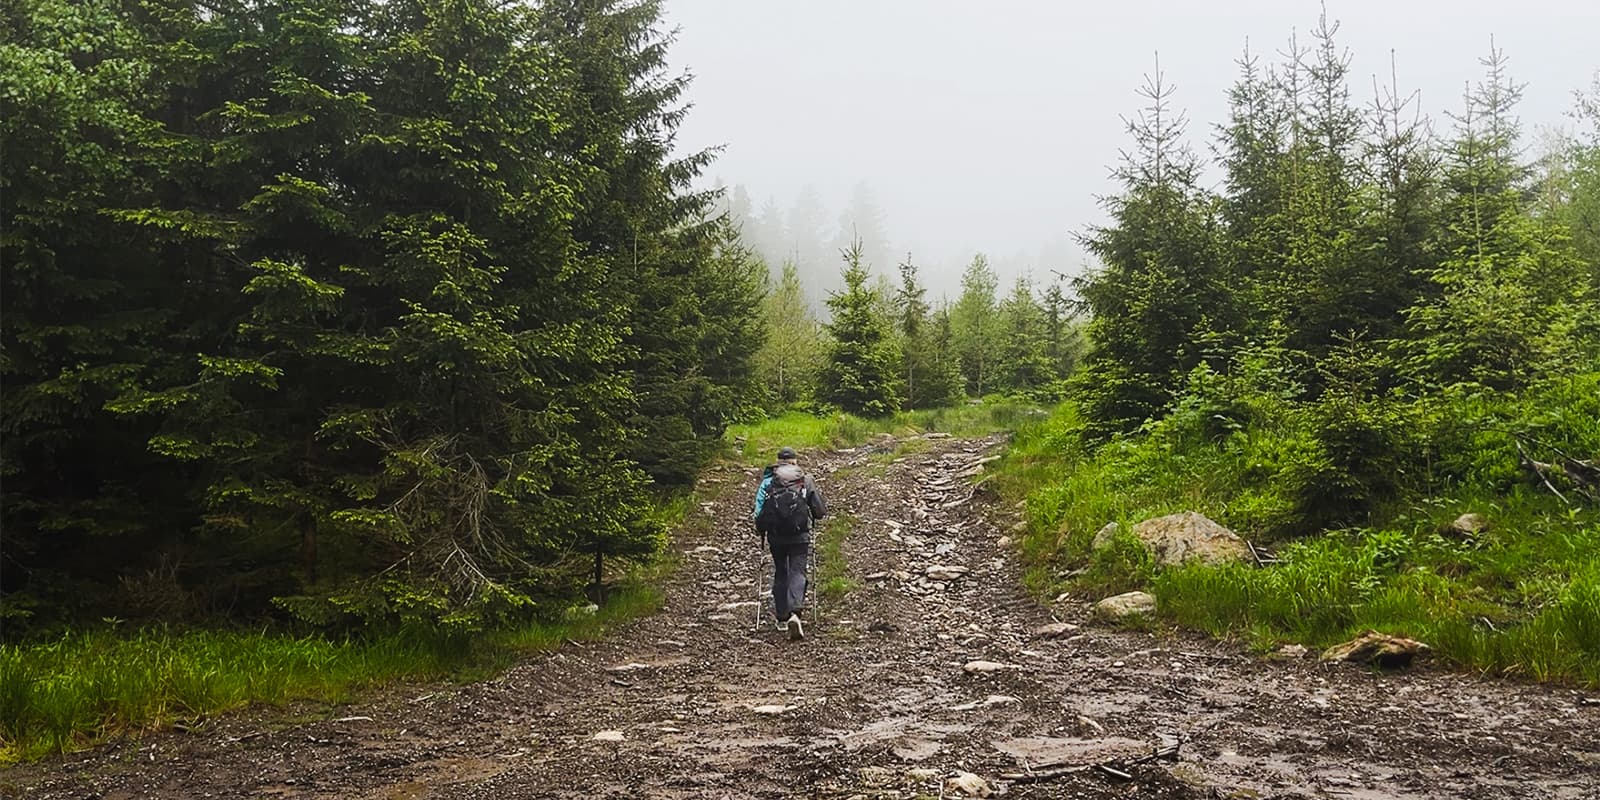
x=786, y=502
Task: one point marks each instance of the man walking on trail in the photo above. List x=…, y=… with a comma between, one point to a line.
x=786, y=502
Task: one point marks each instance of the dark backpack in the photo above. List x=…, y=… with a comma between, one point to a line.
x=786, y=512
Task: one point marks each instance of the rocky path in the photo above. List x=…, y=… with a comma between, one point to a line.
x=936, y=676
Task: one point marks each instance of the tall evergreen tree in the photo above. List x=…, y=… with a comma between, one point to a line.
x=975, y=326
x=1252, y=148
x=1582, y=210
x=1024, y=363
x=791, y=356
x=1160, y=286
x=1513, y=293
x=86, y=307
x=1325, y=293
x=1397, y=214
x=930, y=379
x=1061, y=345
x=640, y=217
x=861, y=374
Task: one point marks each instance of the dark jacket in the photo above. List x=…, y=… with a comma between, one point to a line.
x=814, y=499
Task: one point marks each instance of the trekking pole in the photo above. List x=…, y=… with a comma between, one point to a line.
x=813, y=574
x=761, y=572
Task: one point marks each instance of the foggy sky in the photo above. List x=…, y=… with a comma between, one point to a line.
x=991, y=125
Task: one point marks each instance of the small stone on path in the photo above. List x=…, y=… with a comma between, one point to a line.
x=981, y=667
x=629, y=667
x=1128, y=604
x=1054, y=630
x=968, y=784
x=609, y=736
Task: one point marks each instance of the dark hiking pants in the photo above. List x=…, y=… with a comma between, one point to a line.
x=789, y=577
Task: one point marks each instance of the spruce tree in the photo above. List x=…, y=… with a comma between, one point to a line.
x=861, y=373
x=1513, y=300
x=1061, y=345
x=1582, y=210
x=1024, y=364
x=793, y=348
x=1160, y=286
x=87, y=306
x=975, y=326
x=931, y=380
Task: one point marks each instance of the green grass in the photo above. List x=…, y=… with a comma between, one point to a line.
x=804, y=432
x=833, y=574
x=84, y=687
x=1521, y=598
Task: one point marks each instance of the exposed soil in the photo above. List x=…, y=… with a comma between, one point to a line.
x=878, y=703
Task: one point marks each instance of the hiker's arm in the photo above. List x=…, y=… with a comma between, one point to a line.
x=814, y=499
x=761, y=499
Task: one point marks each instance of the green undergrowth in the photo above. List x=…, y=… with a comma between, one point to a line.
x=84, y=687
x=1356, y=498
x=802, y=431
x=88, y=686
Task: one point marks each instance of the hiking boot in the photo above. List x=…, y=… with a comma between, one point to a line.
x=797, y=631
x=782, y=624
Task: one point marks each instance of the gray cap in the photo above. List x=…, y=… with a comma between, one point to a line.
x=787, y=454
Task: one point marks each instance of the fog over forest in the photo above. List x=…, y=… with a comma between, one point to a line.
x=947, y=129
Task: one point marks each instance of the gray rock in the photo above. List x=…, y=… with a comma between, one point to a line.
x=1179, y=538
x=1469, y=525
x=980, y=667
x=1103, y=537
x=1054, y=630
x=967, y=784
x=1128, y=604
x=877, y=777
x=1289, y=652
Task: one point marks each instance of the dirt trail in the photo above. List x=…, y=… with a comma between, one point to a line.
x=878, y=703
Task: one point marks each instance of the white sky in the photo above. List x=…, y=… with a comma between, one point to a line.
x=990, y=125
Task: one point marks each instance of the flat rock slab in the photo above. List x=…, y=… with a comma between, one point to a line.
x=1054, y=630
x=636, y=666
x=1069, y=750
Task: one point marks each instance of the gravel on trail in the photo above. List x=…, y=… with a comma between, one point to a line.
x=936, y=676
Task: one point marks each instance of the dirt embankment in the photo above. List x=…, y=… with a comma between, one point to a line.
x=931, y=678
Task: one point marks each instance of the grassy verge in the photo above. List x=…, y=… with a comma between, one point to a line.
x=1521, y=597
x=833, y=573
x=89, y=686
x=85, y=687
x=807, y=432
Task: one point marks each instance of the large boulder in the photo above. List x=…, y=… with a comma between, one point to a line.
x=1180, y=538
x=1130, y=604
